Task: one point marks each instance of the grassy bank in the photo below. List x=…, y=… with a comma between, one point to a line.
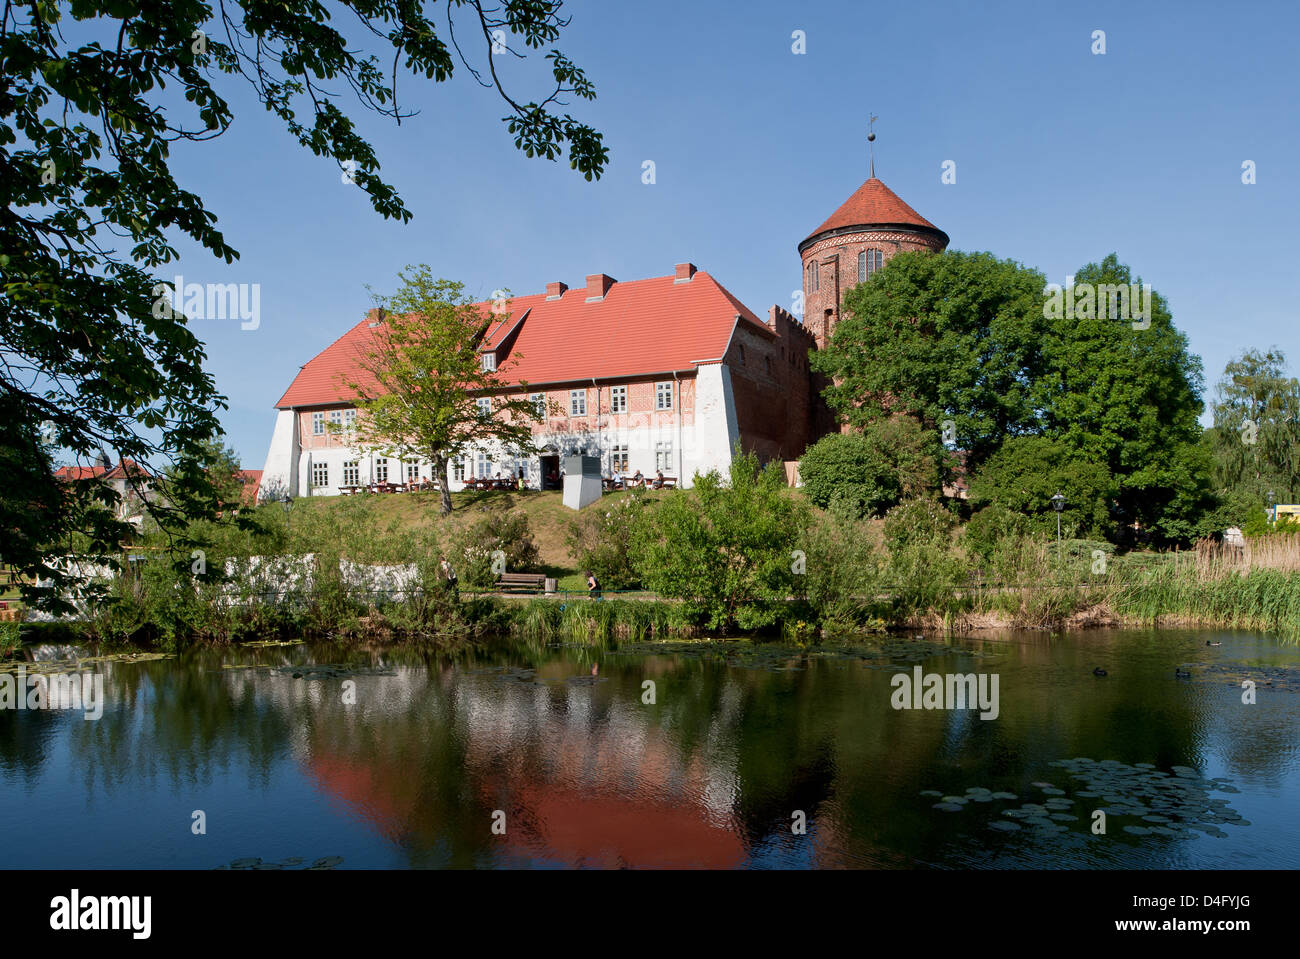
x=854, y=577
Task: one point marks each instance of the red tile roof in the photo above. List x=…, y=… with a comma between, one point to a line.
x=874, y=204
x=79, y=472
x=641, y=327
x=251, y=481
x=92, y=472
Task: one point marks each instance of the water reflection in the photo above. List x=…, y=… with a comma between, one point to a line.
x=408, y=766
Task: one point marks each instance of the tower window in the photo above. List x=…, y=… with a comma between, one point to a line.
x=868, y=263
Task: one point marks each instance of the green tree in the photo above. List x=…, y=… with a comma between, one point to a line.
x=93, y=96
x=422, y=377
x=1256, y=432
x=1125, y=393
x=868, y=471
x=942, y=337
x=725, y=547
x=1028, y=471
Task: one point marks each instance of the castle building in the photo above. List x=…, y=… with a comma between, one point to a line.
x=666, y=374
x=855, y=241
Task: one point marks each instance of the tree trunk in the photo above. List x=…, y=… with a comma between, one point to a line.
x=443, y=483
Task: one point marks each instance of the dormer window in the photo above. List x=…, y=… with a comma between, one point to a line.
x=489, y=362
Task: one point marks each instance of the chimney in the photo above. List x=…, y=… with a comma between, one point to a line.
x=684, y=272
x=555, y=290
x=376, y=317
x=598, y=285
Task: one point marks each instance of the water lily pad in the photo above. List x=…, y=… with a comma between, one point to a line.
x=1063, y=817
x=327, y=862
x=931, y=792
x=1005, y=795
x=245, y=863
x=1003, y=826
x=958, y=800
x=1137, y=830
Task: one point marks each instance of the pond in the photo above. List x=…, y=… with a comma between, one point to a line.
x=704, y=754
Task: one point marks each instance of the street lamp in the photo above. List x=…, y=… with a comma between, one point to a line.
x=1058, y=504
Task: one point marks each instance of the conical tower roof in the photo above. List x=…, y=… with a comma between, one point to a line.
x=875, y=206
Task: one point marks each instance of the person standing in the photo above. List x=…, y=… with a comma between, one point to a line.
x=593, y=585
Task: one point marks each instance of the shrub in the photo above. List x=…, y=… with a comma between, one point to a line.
x=923, y=521
x=600, y=539
x=990, y=528
x=507, y=532
x=723, y=547
x=843, y=570
x=865, y=473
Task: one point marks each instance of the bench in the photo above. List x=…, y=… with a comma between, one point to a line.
x=521, y=582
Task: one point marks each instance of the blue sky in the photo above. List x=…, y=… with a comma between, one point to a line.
x=1062, y=156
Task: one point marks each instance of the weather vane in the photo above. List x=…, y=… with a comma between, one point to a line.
x=871, y=139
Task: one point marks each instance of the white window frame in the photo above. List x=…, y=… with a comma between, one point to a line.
x=381, y=469
x=662, y=388
x=618, y=399
x=664, y=456
x=349, y=419
x=318, y=423
x=618, y=457
x=489, y=362
x=458, y=470
x=413, y=472
x=320, y=475
x=482, y=465
x=484, y=404
x=351, y=473
x=577, y=402
x=539, y=404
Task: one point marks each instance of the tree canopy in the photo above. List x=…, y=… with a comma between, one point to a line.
x=1256, y=432
x=422, y=379
x=94, y=96
x=977, y=347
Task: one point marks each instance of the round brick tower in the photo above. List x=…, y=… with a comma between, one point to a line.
x=858, y=239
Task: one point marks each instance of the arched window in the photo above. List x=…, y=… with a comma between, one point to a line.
x=862, y=268
x=874, y=260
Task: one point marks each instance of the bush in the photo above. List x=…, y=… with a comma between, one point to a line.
x=726, y=549
x=600, y=539
x=865, y=473
x=843, y=571
x=507, y=532
x=924, y=521
x=990, y=528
